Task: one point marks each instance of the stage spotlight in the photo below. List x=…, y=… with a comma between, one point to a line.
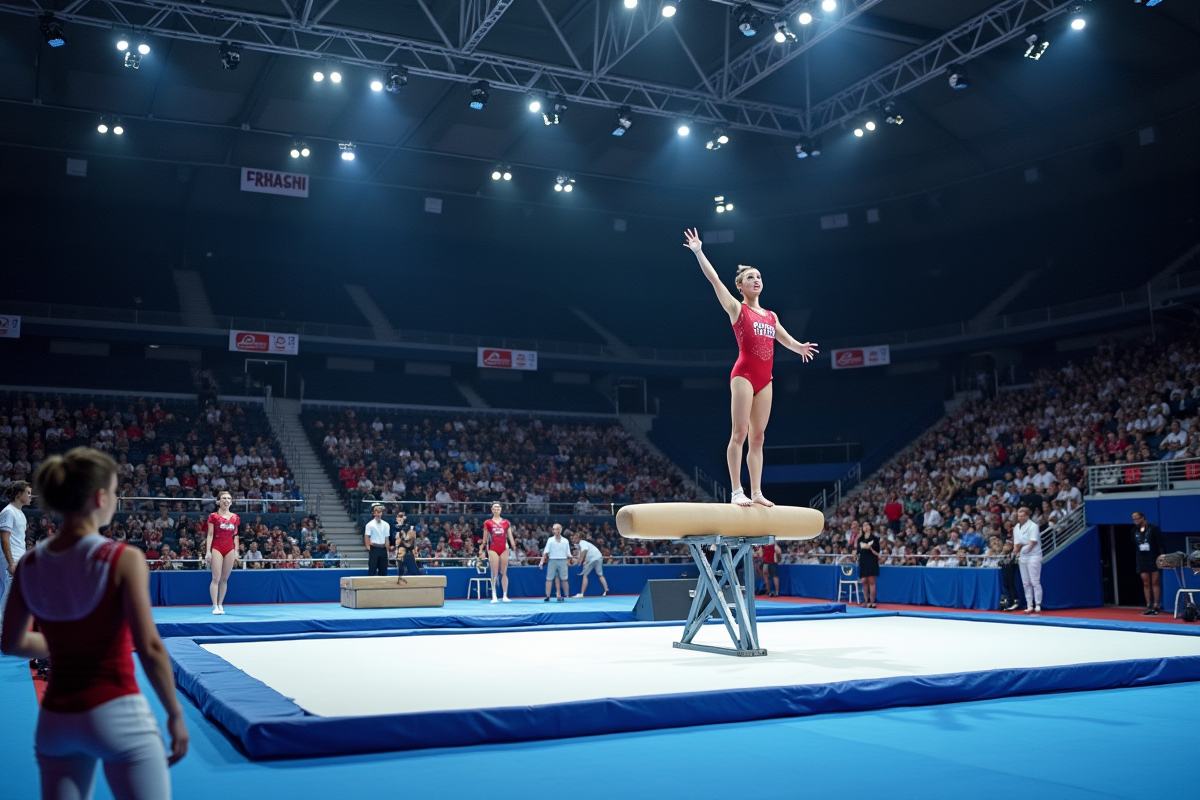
x=144, y=49
x=335, y=76
x=564, y=183
x=1078, y=24
x=669, y=8
x=783, y=33
x=958, y=77
x=479, y=95
x=828, y=5
x=806, y=148
x=103, y=126
x=805, y=18
x=892, y=115
x=117, y=128
x=377, y=85
x=496, y=173
x=623, y=121
x=631, y=3
x=507, y=175
x=502, y=173
x=858, y=131
x=535, y=104
x=318, y=76
x=552, y=115
x=717, y=139
x=133, y=60
x=299, y=150
x=52, y=31
x=122, y=44
x=397, y=79
x=684, y=129
x=748, y=19
x=231, y=55
x=722, y=204
x=347, y=149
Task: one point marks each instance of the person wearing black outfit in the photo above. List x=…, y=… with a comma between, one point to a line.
x=406, y=547
x=1147, y=539
x=1008, y=577
x=868, y=563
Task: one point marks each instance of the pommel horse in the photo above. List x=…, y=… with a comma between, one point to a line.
x=732, y=532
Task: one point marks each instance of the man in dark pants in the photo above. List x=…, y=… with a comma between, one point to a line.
x=406, y=546
x=1147, y=539
x=377, y=538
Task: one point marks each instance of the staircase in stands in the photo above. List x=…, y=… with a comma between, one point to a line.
x=337, y=526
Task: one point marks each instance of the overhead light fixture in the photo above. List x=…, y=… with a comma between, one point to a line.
x=118, y=129
x=748, y=19
x=623, y=121
x=103, y=126
x=376, y=85
x=684, y=129
x=479, y=95
x=631, y=3
x=958, y=77
x=1078, y=24
x=892, y=115
x=553, y=114
x=299, y=150
x=347, y=149
x=722, y=204
x=805, y=18
x=144, y=49
x=502, y=173
x=535, y=104
x=52, y=30
x=564, y=183
x=397, y=79
x=718, y=138
x=669, y=8
x=1036, y=42
x=231, y=55
x=122, y=43
x=807, y=147
x=869, y=124
x=858, y=131
x=783, y=33
x=133, y=60
x=828, y=5
x=335, y=76
x=318, y=75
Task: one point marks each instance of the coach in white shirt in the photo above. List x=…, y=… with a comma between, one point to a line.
x=377, y=537
x=592, y=560
x=558, y=553
x=1027, y=539
x=12, y=535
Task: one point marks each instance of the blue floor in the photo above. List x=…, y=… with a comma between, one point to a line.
x=1085, y=745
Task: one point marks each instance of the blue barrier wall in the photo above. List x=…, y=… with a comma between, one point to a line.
x=1173, y=513
x=966, y=587
x=322, y=585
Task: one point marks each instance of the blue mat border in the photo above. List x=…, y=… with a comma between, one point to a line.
x=271, y=726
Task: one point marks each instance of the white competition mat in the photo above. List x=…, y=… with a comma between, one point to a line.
x=338, y=677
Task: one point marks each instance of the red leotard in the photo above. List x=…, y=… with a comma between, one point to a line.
x=497, y=533
x=756, y=347
x=223, y=531
x=93, y=660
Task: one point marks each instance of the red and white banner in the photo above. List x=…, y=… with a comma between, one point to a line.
x=270, y=181
x=10, y=327
x=287, y=344
x=853, y=357
x=500, y=358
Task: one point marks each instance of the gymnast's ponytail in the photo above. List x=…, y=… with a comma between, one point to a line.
x=65, y=483
x=15, y=488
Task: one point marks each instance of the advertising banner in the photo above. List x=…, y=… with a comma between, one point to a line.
x=10, y=327
x=853, y=357
x=501, y=358
x=287, y=344
x=269, y=181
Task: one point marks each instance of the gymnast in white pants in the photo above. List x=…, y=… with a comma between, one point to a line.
x=1027, y=539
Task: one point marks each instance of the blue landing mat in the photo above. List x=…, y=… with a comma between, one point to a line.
x=287, y=618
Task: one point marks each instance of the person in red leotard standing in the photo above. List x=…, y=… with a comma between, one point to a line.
x=756, y=330
x=221, y=547
x=91, y=597
x=498, y=538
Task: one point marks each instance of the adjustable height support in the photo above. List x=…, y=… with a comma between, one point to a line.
x=722, y=592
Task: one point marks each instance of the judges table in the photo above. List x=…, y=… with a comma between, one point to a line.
x=190, y=588
x=947, y=587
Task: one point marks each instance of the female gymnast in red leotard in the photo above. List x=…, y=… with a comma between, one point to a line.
x=498, y=539
x=221, y=549
x=750, y=382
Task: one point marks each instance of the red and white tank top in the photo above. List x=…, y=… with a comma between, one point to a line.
x=78, y=606
x=755, y=333
x=497, y=533
x=224, y=528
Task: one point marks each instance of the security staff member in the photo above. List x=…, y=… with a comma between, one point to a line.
x=377, y=538
x=1147, y=540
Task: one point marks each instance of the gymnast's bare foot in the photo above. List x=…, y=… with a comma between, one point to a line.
x=762, y=501
x=739, y=498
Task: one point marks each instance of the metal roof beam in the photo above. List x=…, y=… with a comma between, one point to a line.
x=999, y=24
x=477, y=18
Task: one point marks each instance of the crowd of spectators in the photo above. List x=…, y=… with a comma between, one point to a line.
x=950, y=498
x=444, y=463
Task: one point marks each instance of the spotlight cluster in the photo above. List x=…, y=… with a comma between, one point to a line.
x=300, y=150
x=502, y=173
x=718, y=138
x=231, y=55
x=722, y=204
x=347, y=149
x=133, y=55
x=52, y=30
x=623, y=122
x=808, y=147
x=111, y=124
x=564, y=183
x=479, y=95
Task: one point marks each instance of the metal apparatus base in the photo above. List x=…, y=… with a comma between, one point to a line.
x=725, y=590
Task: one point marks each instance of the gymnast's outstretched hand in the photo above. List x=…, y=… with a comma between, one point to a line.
x=807, y=350
x=692, y=240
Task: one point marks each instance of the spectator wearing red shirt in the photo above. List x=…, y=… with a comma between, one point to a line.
x=893, y=511
x=769, y=553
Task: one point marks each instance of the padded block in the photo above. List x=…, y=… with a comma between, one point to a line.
x=418, y=591
x=677, y=520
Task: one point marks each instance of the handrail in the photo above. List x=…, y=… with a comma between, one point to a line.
x=541, y=508
x=211, y=502
x=704, y=480
x=1144, y=475
x=1063, y=532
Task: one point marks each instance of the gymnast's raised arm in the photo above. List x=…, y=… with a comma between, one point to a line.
x=728, y=302
x=806, y=349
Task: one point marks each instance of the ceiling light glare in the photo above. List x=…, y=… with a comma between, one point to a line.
x=683, y=129
x=144, y=49
x=1078, y=24
x=347, y=149
x=631, y=3
x=103, y=126
x=335, y=76
x=535, y=104
x=318, y=76
x=377, y=85
x=118, y=129
x=668, y=9
x=828, y=5
x=122, y=44
x=869, y=125
x=805, y=18
x=858, y=132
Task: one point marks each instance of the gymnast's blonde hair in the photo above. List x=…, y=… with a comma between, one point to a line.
x=741, y=273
